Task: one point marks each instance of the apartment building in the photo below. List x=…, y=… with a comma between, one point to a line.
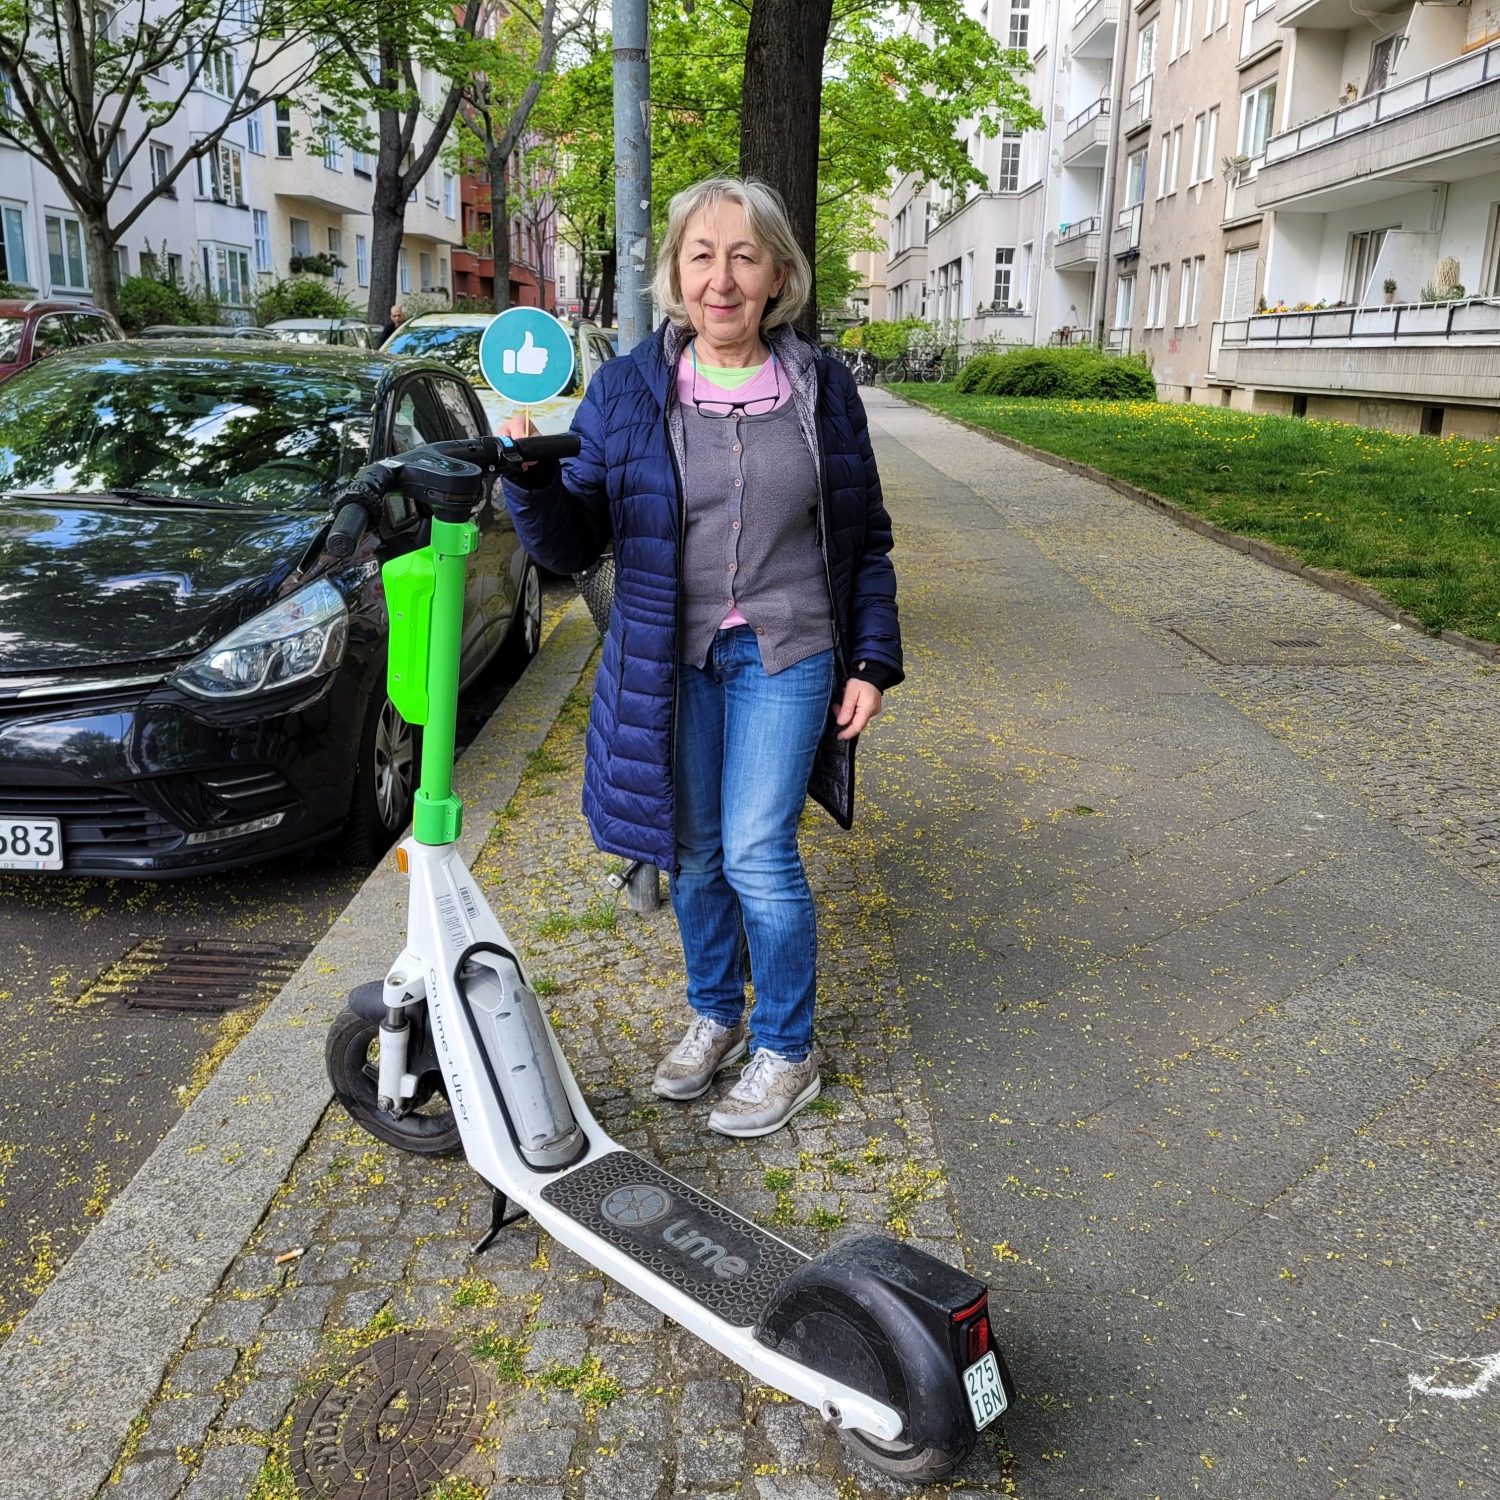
x=1021, y=257
x=870, y=298
x=910, y=213
x=1380, y=187
x=1187, y=239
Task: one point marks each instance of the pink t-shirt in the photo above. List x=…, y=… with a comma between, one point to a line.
x=769, y=380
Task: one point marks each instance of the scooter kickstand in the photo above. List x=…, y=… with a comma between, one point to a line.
x=498, y=1220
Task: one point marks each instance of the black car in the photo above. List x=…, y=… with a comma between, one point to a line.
x=187, y=682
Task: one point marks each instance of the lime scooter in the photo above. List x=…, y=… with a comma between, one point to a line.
x=452, y=1051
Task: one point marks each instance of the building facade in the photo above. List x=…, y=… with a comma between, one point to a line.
x=1380, y=186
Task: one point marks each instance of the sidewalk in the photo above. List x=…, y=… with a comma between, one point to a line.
x=1159, y=990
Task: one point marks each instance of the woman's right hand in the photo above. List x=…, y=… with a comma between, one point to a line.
x=519, y=427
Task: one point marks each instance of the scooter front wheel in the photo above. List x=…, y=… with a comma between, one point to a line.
x=903, y=1460
x=427, y=1129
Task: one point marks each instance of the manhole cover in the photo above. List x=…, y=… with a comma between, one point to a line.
x=199, y=974
x=393, y=1425
x=1282, y=645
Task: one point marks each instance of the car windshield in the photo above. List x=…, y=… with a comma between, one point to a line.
x=229, y=431
x=302, y=335
x=10, y=339
x=457, y=346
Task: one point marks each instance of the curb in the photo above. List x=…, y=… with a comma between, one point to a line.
x=1266, y=552
x=91, y=1353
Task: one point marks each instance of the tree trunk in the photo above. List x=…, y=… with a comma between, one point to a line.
x=605, y=311
x=500, y=227
x=387, y=221
x=99, y=247
x=781, y=110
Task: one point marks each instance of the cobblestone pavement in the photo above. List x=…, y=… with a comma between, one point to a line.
x=587, y=1392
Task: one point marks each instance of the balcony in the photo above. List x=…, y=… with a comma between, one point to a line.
x=1078, y=244
x=1260, y=30
x=1094, y=25
x=1137, y=114
x=1126, y=239
x=1086, y=136
x=1434, y=127
x=1445, y=351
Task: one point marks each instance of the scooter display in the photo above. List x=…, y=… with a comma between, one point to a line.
x=452, y=1051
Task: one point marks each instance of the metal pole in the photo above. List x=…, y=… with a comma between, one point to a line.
x=633, y=259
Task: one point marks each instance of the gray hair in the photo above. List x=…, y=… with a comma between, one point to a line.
x=765, y=218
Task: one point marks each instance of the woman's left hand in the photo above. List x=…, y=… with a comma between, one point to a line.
x=861, y=703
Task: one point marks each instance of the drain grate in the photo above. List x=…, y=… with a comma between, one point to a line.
x=211, y=975
x=1266, y=646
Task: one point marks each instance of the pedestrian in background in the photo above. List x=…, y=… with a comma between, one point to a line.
x=754, y=622
x=396, y=319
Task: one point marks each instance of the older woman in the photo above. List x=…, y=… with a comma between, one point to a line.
x=755, y=612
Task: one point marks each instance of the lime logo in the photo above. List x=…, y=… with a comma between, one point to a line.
x=635, y=1204
x=682, y=1237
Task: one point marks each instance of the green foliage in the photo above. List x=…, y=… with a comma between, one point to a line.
x=883, y=340
x=1080, y=372
x=9, y=289
x=144, y=300
x=300, y=297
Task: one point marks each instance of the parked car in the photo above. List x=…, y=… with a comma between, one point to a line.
x=352, y=333
x=33, y=330
x=202, y=331
x=454, y=339
x=186, y=681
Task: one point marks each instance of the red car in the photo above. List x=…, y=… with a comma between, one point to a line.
x=33, y=330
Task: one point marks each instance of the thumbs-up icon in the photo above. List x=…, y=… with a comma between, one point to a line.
x=527, y=360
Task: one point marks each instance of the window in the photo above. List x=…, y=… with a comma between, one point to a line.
x=1135, y=177
x=114, y=157
x=336, y=243
x=224, y=180
x=255, y=132
x=1005, y=266
x=403, y=270
x=442, y=273
x=1008, y=179
x=217, y=75
x=300, y=233
x=283, y=128
x=13, y=244
x=455, y=402
x=450, y=196
x=262, y=226
x=1176, y=160
x=333, y=147
x=1124, y=301
x=174, y=266
x=122, y=268
x=424, y=271
x=1223, y=13
x=1239, y=284
x=966, y=306
x=1157, y=295
x=1184, y=292
x=7, y=97
x=1359, y=267
x=1020, y=25
x=1145, y=53
x=226, y=273
x=65, y=260
x=1195, y=171
x=417, y=420
x=161, y=167
x=1382, y=60
x=1176, y=29
x=1166, y=161
x=1211, y=149
x=361, y=260
x=88, y=329
x=1197, y=298
x=360, y=161
x=1257, y=108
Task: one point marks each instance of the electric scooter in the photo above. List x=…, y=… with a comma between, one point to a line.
x=452, y=1051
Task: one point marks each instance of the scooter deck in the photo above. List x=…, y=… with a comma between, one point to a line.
x=722, y=1261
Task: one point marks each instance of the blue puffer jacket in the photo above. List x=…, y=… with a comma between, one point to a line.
x=623, y=487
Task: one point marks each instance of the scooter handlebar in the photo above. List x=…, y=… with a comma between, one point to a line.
x=543, y=448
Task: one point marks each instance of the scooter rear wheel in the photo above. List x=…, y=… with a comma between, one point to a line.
x=427, y=1129
x=902, y=1460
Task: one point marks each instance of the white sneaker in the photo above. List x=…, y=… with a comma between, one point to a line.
x=770, y=1091
x=688, y=1069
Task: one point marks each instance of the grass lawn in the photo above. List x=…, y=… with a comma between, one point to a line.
x=1417, y=518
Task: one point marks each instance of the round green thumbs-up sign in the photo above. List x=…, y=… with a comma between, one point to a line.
x=526, y=355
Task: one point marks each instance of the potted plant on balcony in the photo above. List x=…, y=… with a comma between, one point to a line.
x=1390, y=290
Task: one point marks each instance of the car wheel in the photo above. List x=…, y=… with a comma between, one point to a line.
x=524, y=639
x=385, y=782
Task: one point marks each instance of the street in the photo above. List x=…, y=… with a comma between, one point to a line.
x=95, y=1083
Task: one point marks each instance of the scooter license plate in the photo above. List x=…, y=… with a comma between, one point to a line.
x=985, y=1392
x=30, y=844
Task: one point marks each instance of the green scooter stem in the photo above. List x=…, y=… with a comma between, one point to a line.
x=425, y=598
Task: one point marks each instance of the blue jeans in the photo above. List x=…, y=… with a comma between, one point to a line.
x=745, y=745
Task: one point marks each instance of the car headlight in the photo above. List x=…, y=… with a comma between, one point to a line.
x=302, y=636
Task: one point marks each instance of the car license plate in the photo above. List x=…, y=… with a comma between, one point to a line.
x=986, y=1393
x=30, y=844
